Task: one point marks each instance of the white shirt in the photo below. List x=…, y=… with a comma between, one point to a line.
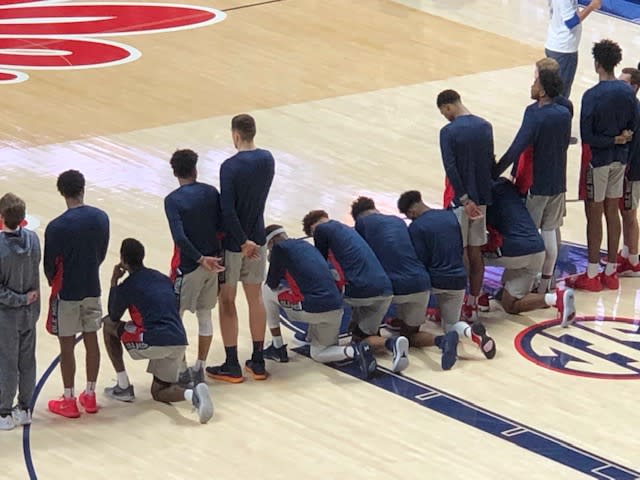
x=559, y=37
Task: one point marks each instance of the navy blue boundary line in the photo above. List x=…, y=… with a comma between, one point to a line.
x=489, y=422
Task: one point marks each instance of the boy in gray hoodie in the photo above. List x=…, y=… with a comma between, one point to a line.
x=19, y=311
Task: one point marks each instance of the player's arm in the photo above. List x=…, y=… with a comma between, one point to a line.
x=52, y=251
x=450, y=167
x=587, y=130
x=117, y=295
x=276, y=268
x=581, y=14
x=227, y=204
x=12, y=299
x=104, y=244
x=321, y=241
x=524, y=138
x=177, y=231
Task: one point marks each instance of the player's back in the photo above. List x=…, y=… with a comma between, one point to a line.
x=553, y=123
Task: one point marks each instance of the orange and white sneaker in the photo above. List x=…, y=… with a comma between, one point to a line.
x=583, y=282
x=610, y=281
x=566, y=305
x=88, y=402
x=66, y=407
x=626, y=269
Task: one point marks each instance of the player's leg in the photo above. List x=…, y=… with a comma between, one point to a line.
x=630, y=264
x=91, y=318
x=257, y=326
x=477, y=237
x=277, y=350
x=613, y=193
x=27, y=376
x=9, y=355
x=123, y=389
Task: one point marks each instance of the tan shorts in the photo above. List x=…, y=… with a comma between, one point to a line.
x=547, y=211
x=631, y=195
x=197, y=290
x=519, y=272
x=165, y=363
x=605, y=182
x=450, y=306
x=82, y=316
x=474, y=232
x=412, y=308
x=241, y=269
x=368, y=313
x=324, y=328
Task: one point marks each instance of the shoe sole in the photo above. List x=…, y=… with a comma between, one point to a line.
x=568, y=314
x=487, y=344
x=225, y=378
x=277, y=359
x=75, y=415
x=89, y=411
x=400, y=355
x=205, y=410
x=256, y=376
x=449, y=351
x=629, y=274
x=127, y=399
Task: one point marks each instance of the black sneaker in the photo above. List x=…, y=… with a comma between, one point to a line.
x=201, y=401
x=449, y=350
x=256, y=369
x=226, y=373
x=484, y=341
x=277, y=354
x=366, y=360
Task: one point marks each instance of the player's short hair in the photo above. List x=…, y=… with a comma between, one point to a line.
x=407, y=200
x=548, y=63
x=551, y=82
x=634, y=73
x=447, y=97
x=183, y=162
x=70, y=183
x=245, y=125
x=312, y=218
x=607, y=53
x=361, y=204
x=12, y=209
x=132, y=252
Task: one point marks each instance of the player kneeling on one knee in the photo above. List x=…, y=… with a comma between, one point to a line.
x=155, y=332
x=516, y=245
x=300, y=281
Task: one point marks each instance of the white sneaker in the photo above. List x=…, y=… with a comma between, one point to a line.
x=21, y=416
x=6, y=423
x=201, y=401
x=400, y=354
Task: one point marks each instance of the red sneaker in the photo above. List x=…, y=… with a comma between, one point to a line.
x=483, y=303
x=625, y=269
x=88, y=401
x=610, y=281
x=433, y=314
x=469, y=313
x=583, y=282
x=67, y=407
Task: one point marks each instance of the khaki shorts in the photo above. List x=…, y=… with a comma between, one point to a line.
x=82, y=316
x=197, y=290
x=474, y=232
x=631, y=196
x=519, y=272
x=547, y=211
x=412, y=308
x=605, y=182
x=241, y=269
x=450, y=305
x=165, y=363
x=368, y=313
x=324, y=328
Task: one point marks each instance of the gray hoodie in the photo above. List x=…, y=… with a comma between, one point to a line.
x=19, y=273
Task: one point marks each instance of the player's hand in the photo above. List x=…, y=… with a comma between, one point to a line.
x=472, y=210
x=118, y=273
x=596, y=4
x=623, y=138
x=212, y=264
x=251, y=250
x=32, y=296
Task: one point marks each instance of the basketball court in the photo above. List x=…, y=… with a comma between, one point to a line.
x=343, y=93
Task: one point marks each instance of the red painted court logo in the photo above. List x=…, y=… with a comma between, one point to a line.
x=594, y=347
x=50, y=35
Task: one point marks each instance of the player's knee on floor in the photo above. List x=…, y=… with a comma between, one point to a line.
x=205, y=323
x=358, y=335
x=157, y=386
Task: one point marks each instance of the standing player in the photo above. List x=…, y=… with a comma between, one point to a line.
x=467, y=153
x=193, y=211
x=436, y=237
x=388, y=237
x=628, y=264
x=19, y=312
x=245, y=180
x=545, y=130
x=607, y=120
x=515, y=244
x=155, y=332
x=75, y=244
x=300, y=281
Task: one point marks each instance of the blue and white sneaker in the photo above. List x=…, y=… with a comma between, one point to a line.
x=449, y=347
x=400, y=354
x=366, y=360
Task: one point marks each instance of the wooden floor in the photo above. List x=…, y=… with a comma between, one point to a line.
x=344, y=96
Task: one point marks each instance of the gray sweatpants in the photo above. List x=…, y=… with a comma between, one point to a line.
x=17, y=366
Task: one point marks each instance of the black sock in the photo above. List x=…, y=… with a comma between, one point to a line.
x=257, y=352
x=232, y=355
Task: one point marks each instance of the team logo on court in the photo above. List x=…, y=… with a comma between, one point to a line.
x=52, y=35
x=593, y=347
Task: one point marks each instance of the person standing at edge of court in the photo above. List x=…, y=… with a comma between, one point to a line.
x=245, y=180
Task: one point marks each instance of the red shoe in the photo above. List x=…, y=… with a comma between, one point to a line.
x=67, y=407
x=433, y=314
x=610, y=281
x=566, y=305
x=625, y=269
x=483, y=303
x=88, y=401
x=583, y=282
x=469, y=313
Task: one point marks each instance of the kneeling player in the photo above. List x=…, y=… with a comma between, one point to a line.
x=155, y=333
x=515, y=244
x=300, y=281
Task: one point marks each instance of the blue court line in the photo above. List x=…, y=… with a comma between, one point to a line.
x=26, y=432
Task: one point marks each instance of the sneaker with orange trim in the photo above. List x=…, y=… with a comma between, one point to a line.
x=626, y=269
x=610, y=281
x=226, y=373
x=583, y=282
x=88, y=402
x=66, y=407
x=257, y=369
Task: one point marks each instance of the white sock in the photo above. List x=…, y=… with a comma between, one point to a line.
x=91, y=388
x=472, y=300
x=123, y=379
x=277, y=341
x=199, y=365
x=349, y=351
x=593, y=270
x=188, y=395
x=463, y=329
x=610, y=269
x=624, y=253
x=68, y=392
x=550, y=299
x=634, y=259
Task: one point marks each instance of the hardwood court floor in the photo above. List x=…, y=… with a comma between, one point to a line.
x=344, y=96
